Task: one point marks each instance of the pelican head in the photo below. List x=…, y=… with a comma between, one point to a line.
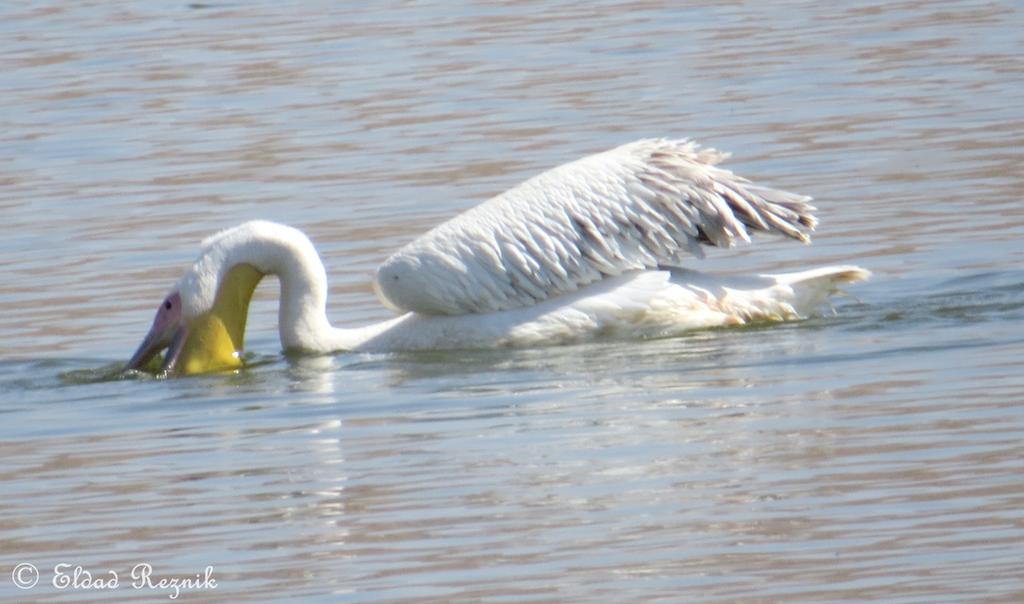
x=201, y=322
x=201, y=338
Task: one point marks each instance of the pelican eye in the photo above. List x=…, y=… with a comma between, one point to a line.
x=168, y=304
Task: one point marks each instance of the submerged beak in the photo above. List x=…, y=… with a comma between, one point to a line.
x=167, y=331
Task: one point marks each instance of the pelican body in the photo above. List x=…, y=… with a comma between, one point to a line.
x=590, y=249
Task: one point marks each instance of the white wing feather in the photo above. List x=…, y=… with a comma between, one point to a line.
x=646, y=204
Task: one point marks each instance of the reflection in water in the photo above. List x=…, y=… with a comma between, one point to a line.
x=873, y=454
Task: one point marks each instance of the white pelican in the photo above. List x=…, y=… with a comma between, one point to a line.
x=590, y=249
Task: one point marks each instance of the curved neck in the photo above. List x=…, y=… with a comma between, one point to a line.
x=302, y=311
x=215, y=294
x=274, y=249
x=302, y=314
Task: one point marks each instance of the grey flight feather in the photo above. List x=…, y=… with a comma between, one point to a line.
x=646, y=204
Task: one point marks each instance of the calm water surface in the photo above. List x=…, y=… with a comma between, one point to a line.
x=877, y=454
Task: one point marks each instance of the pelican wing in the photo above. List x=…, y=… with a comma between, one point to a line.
x=645, y=204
